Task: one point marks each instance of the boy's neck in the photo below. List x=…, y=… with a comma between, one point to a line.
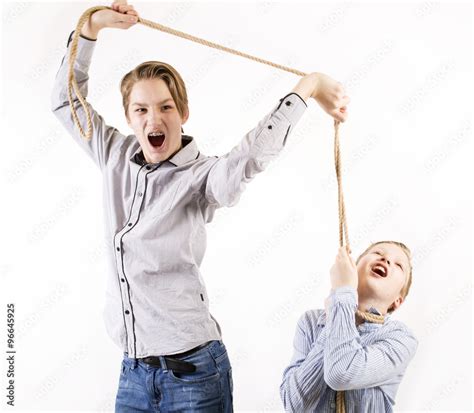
x=364, y=304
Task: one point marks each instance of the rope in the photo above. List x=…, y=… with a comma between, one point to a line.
x=343, y=234
x=73, y=52
x=72, y=84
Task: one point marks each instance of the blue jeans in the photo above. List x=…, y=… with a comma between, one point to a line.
x=144, y=388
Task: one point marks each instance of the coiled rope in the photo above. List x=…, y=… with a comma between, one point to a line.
x=72, y=84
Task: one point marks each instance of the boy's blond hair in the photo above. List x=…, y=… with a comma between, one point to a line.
x=156, y=70
x=406, y=288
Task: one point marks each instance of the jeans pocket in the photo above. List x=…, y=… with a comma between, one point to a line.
x=195, y=377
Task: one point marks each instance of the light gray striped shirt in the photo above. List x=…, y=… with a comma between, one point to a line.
x=155, y=216
x=367, y=362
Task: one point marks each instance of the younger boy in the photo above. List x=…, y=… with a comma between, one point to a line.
x=337, y=350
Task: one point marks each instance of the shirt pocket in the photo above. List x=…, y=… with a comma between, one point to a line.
x=165, y=198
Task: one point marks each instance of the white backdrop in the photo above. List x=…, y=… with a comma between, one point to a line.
x=406, y=147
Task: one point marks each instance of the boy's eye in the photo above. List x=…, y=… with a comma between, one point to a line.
x=167, y=106
x=377, y=252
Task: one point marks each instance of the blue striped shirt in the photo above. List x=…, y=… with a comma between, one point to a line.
x=330, y=353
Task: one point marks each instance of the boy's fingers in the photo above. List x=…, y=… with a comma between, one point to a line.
x=125, y=7
x=122, y=7
x=340, y=116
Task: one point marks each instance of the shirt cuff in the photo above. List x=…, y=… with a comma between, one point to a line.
x=345, y=295
x=87, y=38
x=292, y=106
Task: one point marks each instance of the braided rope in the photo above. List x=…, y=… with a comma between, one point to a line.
x=72, y=84
x=73, y=52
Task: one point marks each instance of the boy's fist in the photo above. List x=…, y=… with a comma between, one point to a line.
x=122, y=7
x=119, y=16
x=331, y=97
x=344, y=270
x=326, y=91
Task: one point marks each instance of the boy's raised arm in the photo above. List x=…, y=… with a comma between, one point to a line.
x=105, y=139
x=231, y=172
x=228, y=176
x=348, y=365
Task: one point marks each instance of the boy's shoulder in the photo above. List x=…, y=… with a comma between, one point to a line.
x=311, y=324
x=313, y=313
x=398, y=325
x=312, y=319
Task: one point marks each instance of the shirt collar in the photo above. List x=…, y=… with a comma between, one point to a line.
x=187, y=153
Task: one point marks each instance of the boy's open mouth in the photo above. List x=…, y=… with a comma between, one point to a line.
x=156, y=139
x=379, y=270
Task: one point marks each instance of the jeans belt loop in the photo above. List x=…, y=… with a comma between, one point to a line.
x=163, y=363
x=134, y=360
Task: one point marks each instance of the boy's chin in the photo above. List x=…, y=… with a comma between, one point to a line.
x=370, y=284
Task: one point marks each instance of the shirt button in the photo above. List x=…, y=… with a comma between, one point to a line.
x=118, y=248
x=140, y=194
x=129, y=224
x=121, y=279
x=127, y=312
x=269, y=126
x=333, y=405
x=148, y=167
x=288, y=103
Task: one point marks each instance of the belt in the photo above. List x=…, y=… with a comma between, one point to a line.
x=173, y=362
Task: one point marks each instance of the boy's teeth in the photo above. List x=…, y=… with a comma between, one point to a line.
x=378, y=267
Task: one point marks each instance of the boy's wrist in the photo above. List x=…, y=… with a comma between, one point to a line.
x=307, y=85
x=90, y=30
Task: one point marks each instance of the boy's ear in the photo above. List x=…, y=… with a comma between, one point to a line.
x=397, y=303
x=185, y=117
